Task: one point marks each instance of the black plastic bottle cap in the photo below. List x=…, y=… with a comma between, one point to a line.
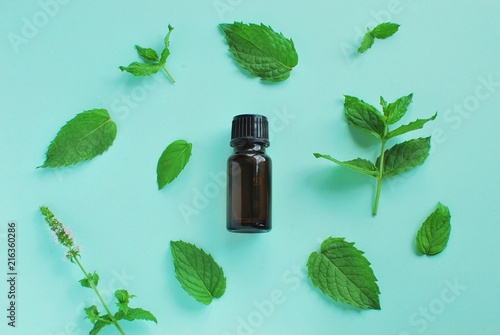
x=250, y=127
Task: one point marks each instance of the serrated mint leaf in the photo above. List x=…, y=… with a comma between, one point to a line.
x=397, y=109
x=341, y=272
x=152, y=64
x=366, y=43
x=381, y=31
x=260, y=50
x=172, y=161
x=417, y=124
x=92, y=313
x=359, y=164
x=434, y=234
x=84, y=137
x=364, y=116
x=147, y=54
x=141, y=69
x=200, y=276
x=135, y=314
x=94, y=277
x=101, y=324
x=385, y=30
x=405, y=156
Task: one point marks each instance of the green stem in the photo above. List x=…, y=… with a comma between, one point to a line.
x=168, y=74
x=94, y=287
x=379, y=178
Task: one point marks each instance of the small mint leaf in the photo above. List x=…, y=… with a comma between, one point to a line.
x=92, y=277
x=385, y=30
x=92, y=313
x=123, y=298
x=147, y=54
x=141, y=69
x=166, y=51
x=172, y=161
x=434, y=234
x=397, y=109
x=366, y=43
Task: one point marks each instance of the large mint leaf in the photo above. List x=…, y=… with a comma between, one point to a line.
x=200, y=276
x=358, y=164
x=341, y=272
x=84, y=137
x=364, y=116
x=260, y=50
x=433, y=236
x=405, y=156
x=172, y=161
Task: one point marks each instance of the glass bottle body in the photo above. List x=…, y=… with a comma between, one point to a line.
x=249, y=189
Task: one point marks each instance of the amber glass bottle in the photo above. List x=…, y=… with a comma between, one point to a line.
x=249, y=176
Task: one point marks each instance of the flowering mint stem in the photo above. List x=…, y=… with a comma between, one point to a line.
x=75, y=259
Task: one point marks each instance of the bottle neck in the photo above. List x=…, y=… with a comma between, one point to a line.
x=249, y=146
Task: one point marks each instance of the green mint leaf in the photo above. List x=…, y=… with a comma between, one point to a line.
x=123, y=298
x=84, y=137
x=92, y=277
x=101, y=324
x=397, y=109
x=367, y=43
x=385, y=30
x=341, y=272
x=200, y=276
x=359, y=165
x=172, y=161
x=404, y=156
x=135, y=314
x=92, y=313
x=141, y=69
x=166, y=51
x=382, y=31
x=384, y=104
x=260, y=50
x=147, y=54
x=417, y=124
x=433, y=236
x=364, y=116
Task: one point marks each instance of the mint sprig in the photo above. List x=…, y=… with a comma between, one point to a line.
x=100, y=321
x=341, y=272
x=260, y=50
x=82, y=138
x=382, y=31
x=400, y=157
x=152, y=62
x=434, y=233
x=200, y=276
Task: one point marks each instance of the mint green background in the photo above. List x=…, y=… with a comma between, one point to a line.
x=68, y=62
